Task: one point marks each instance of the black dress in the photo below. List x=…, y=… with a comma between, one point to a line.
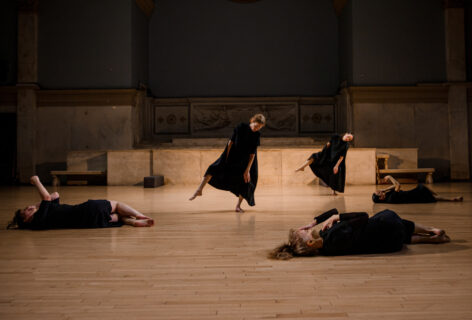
x=420, y=194
x=356, y=233
x=325, y=160
x=90, y=214
x=227, y=172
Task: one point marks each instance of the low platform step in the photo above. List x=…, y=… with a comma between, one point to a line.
x=429, y=172
x=93, y=177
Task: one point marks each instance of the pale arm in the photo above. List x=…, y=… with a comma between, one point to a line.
x=247, y=176
x=44, y=194
x=230, y=144
x=395, y=183
x=336, y=167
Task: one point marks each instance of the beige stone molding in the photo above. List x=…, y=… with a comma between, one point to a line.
x=339, y=6
x=146, y=6
x=187, y=101
x=403, y=94
x=8, y=96
x=92, y=97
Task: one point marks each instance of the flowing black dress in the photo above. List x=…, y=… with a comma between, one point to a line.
x=356, y=233
x=227, y=172
x=90, y=214
x=420, y=194
x=325, y=160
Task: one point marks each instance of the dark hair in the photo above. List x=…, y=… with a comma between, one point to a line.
x=18, y=222
x=376, y=198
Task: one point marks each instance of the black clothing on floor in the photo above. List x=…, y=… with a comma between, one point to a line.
x=420, y=194
x=227, y=172
x=90, y=214
x=325, y=160
x=357, y=233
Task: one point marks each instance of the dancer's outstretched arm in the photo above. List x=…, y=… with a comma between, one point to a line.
x=44, y=194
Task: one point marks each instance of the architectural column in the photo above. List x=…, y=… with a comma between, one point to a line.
x=456, y=76
x=27, y=87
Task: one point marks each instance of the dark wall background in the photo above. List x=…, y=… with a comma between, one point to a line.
x=8, y=43
x=468, y=37
x=223, y=48
x=394, y=42
x=91, y=44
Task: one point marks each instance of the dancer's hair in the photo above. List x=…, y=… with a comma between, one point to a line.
x=17, y=222
x=296, y=246
x=259, y=118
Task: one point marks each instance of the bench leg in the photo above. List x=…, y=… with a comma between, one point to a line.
x=55, y=181
x=429, y=178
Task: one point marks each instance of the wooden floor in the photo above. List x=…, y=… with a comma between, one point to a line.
x=204, y=261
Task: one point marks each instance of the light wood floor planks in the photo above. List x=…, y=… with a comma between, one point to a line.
x=203, y=261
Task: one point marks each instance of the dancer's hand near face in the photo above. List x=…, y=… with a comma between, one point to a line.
x=329, y=223
x=308, y=226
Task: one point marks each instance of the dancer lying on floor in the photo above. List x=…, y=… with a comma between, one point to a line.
x=356, y=233
x=49, y=214
x=420, y=194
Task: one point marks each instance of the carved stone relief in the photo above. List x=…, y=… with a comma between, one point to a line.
x=171, y=119
x=317, y=118
x=219, y=119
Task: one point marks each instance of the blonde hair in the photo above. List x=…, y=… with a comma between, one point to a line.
x=296, y=246
x=259, y=118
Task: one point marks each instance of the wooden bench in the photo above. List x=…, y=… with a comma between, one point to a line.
x=95, y=176
x=428, y=171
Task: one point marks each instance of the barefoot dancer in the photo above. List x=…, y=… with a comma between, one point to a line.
x=420, y=194
x=236, y=168
x=49, y=214
x=329, y=164
x=356, y=233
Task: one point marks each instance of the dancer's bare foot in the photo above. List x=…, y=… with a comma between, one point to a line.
x=238, y=209
x=299, y=169
x=334, y=193
x=437, y=232
x=142, y=217
x=461, y=198
x=197, y=193
x=143, y=223
x=440, y=238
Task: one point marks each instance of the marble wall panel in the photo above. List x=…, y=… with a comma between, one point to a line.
x=401, y=158
x=270, y=167
x=178, y=166
x=128, y=167
x=360, y=166
x=88, y=160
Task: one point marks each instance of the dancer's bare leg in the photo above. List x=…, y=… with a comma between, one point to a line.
x=420, y=229
x=124, y=210
x=137, y=222
x=198, y=192
x=418, y=238
x=238, y=206
x=441, y=198
x=305, y=164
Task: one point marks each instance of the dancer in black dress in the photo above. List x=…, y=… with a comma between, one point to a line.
x=236, y=169
x=420, y=194
x=356, y=233
x=329, y=164
x=50, y=214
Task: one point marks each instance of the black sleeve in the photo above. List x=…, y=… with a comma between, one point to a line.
x=325, y=216
x=56, y=201
x=235, y=133
x=40, y=216
x=253, y=148
x=355, y=219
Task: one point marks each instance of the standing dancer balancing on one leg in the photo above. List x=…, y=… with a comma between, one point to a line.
x=50, y=214
x=329, y=164
x=236, y=169
x=420, y=194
